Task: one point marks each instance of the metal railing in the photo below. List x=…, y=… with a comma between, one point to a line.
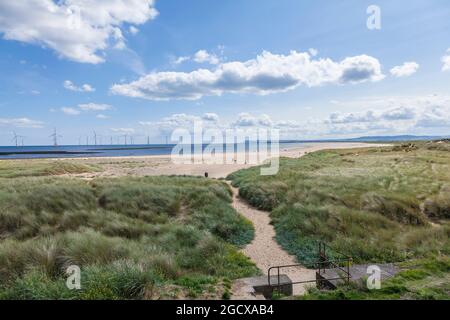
x=321, y=265
x=344, y=261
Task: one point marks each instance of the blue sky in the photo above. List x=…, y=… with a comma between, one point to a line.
x=310, y=68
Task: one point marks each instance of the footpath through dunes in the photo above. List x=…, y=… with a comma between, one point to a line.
x=265, y=252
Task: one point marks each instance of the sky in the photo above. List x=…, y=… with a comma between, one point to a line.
x=312, y=69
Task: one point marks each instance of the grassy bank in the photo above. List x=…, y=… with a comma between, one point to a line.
x=36, y=168
x=375, y=204
x=133, y=238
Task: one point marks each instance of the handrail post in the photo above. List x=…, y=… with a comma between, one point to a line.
x=279, y=289
x=348, y=271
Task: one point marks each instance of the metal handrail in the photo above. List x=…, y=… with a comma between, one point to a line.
x=323, y=261
x=328, y=246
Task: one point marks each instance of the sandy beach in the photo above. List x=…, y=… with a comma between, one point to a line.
x=163, y=165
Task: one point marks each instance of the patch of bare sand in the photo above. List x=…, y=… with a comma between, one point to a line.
x=163, y=165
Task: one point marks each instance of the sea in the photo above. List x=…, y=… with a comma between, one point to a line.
x=71, y=151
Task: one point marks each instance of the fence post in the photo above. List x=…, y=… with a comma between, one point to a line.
x=348, y=271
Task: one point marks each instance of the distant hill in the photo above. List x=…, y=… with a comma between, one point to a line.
x=374, y=139
x=398, y=138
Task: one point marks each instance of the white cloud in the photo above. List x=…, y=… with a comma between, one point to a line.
x=167, y=125
x=247, y=120
x=86, y=107
x=408, y=115
x=203, y=56
x=405, y=70
x=94, y=107
x=78, y=30
x=446, y=61
x=383, y=116
x=70, y=111
x=209, y=116
x=180, y=60
x=101, y=116
x=133, y=30
x=268, y=73
x=21, y=123
x=69, y=85
x=313, y=52
x=435, y=117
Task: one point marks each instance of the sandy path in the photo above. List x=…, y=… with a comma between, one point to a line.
x=264, y=251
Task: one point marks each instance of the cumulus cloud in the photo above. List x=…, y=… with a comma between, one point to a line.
x=383, y=116
x=21, y=123
x=446, y=61
x=314, y=52
x=167, y=125
x=69, y=85
x=78, y=30
x=210, y=117
x=203, y=56
x=70, y=111
x=408, y=115
x=400, y=113
x=268, y=73
x=248, y=120
x=405, y=70
x=437, y=116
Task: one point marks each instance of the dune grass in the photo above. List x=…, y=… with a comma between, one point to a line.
x=375, y=204
x=33, y=168
x=133, y=238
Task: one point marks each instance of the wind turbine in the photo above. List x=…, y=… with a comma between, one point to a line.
x=95, y=138
x=125, y=136
x=16, y=139
x=55, y=137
